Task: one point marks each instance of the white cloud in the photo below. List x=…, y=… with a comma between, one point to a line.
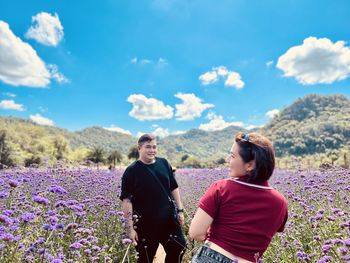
x=179, y=132
x=161, y=132
x=11, y=105
x=190, y=108
x=217, y=123
x=37, y=118
x=19, y=62
x=139, y=134
x=117, y=129
x=43, y=109
x=272, y=113
x=148, y=108
x=144, y=61
x=208, y=77
x=269, y=63
x=46, y=29
x=20, y=65
x=56, y=75
x=316, y=61
x=162, y=61
x=9, y=94
x=221, y=71
x=233, y=79
x=250, y=127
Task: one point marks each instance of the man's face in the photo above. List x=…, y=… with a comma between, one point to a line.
x=148, y=151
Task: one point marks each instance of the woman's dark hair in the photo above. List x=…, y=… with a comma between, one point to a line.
x=254, y=146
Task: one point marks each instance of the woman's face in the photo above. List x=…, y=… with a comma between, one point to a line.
x=237, y=167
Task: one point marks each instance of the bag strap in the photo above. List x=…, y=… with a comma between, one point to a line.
x=156, y=178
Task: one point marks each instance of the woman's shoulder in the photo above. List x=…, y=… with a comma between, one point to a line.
x=222, y=183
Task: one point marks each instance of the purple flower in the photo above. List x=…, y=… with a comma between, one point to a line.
x=41, y=200
x=60, y=203
x=347, y=242
x=27, y=217
x=59, y=226
x=13, y=183
x=5, y=219
x=326, y=248
x=47, y=227
x=8, y=212
x=57, y=190
x=342, y=251
x=53, y=220
x=7, y=237
x=76, y=208
x=96, y=248
x=3, y=194
x=76, y=245
x=126, y=241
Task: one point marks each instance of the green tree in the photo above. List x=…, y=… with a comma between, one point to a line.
x=34, y=160
x=133, y=153
x=114, y=157
x=5, y=152
x=96, y=156
x=61, y=147
x=184, y=157
x=221, y=161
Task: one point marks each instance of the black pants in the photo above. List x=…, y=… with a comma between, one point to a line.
x=169, y=234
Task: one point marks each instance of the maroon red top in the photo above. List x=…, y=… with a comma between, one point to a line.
x=246, y=216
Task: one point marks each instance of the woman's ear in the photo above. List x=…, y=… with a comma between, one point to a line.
x=250, y=166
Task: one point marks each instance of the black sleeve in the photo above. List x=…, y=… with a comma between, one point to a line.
x=173, y=183
x=127, y=185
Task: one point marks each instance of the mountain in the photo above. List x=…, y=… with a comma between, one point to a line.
x=200, y=144
x=313, y=124
x=97, y=136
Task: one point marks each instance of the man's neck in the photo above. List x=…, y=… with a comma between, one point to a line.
x=148, y=161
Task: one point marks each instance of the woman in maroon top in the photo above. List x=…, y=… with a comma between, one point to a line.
x=237, y=217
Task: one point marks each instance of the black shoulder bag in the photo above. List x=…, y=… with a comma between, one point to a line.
x=172, y=205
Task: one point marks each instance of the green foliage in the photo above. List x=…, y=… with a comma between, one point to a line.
x=5, y=152
x=313, y=124
x=114, y=157
x=96, y=155
x=133, y=153
x=184, y=157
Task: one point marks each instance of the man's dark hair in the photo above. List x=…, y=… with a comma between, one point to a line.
x=145, y=138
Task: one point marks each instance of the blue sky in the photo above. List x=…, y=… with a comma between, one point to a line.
x=167, y=66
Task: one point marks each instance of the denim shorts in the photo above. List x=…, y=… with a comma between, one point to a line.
x=207, y=255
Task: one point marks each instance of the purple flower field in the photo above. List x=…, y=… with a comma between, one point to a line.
x=73, y=214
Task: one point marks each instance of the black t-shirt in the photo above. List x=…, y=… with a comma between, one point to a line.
x=149, y=201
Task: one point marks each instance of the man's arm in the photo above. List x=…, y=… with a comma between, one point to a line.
x=176, y=195
x=129, y=226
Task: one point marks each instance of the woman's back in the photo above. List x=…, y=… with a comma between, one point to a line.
x=246, y=216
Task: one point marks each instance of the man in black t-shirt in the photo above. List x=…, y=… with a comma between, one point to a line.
x=147, y=193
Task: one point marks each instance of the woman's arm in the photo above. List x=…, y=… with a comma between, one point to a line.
x=199, y=225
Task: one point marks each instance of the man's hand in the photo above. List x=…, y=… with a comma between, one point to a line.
x=181, y=218
x=133, y=236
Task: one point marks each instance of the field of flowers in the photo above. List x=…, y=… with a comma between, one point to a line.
x=73, y=215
